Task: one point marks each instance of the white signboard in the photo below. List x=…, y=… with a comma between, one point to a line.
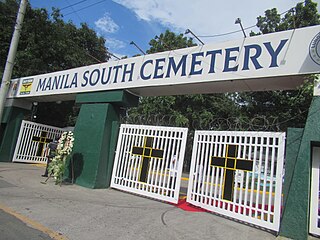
x=272, y=56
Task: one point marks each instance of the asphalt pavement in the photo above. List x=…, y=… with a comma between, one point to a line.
x=12, y=228
x=49, y=211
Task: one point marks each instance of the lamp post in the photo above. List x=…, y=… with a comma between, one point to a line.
x=238, y=21
x=189, y=31
x=133, y=43
x=111, y=54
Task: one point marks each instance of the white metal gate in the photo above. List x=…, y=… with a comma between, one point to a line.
x=149, y=161
x=32, y=141
x=238, y=174
x=314, y=226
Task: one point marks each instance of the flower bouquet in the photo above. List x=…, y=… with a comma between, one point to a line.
x=58, y=163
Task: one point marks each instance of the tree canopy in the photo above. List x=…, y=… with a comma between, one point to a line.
x=169, y=41
x=289, y=107
x=48, y=44
x=304, y=14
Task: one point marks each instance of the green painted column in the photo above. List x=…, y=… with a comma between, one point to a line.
x=294, y=136
x=295, y=218
x=10, y=126
x=96, y=134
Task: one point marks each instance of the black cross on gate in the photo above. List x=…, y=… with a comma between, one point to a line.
x=41, y=140
x=230, y=163
x=147, y=152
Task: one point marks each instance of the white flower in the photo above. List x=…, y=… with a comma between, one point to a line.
x=64, y=148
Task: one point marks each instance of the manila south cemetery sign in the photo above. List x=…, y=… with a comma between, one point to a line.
x=267, y=62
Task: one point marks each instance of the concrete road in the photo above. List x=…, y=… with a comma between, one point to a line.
x=74, y=212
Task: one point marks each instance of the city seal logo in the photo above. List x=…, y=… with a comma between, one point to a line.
x=26, y=86
x=314, y=49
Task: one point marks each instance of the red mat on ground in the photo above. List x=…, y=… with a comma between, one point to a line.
x=182, y=204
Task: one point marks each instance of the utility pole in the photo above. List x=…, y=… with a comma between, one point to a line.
x=6, y=78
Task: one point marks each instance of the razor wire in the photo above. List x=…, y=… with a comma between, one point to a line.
x=258, y=123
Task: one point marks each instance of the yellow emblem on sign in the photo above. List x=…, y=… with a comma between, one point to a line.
x=26, y=86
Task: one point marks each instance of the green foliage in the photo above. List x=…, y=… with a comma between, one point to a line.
x=290, y=107
x=169, y=41
x=48, y=44
x=303, y=15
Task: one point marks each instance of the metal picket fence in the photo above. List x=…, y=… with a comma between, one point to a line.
x=32, y=141
x=239, y=175
x=314, y=226
x=149, y=161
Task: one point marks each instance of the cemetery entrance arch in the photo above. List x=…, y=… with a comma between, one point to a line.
x=267, y=62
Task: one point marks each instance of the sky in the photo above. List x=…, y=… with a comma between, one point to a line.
x=123, y=21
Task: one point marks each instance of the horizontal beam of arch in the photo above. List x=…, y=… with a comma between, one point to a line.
x=276, y=61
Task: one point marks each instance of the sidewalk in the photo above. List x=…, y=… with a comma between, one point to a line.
x=74, y=212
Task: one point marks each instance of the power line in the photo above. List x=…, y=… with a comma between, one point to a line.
x=228, y=33
x=71, y=5
x=189, y=31
x=85, y=7
x=75, y=11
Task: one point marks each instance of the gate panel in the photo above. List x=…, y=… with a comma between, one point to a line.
x=149, y=161
x=314, y=226
x=238, y=174
x=32, y=141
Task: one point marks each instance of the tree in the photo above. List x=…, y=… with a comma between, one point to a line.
x=169, y=41
x=289, y=107
x=303, y=15
x=48, y=44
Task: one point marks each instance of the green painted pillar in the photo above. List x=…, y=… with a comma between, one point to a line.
x=96, y=134
x=295, y=218
x=294, y=136
x=9, y=131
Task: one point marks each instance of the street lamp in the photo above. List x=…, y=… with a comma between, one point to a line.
x=238, y=21
x=189, y=31
x=133, y=43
